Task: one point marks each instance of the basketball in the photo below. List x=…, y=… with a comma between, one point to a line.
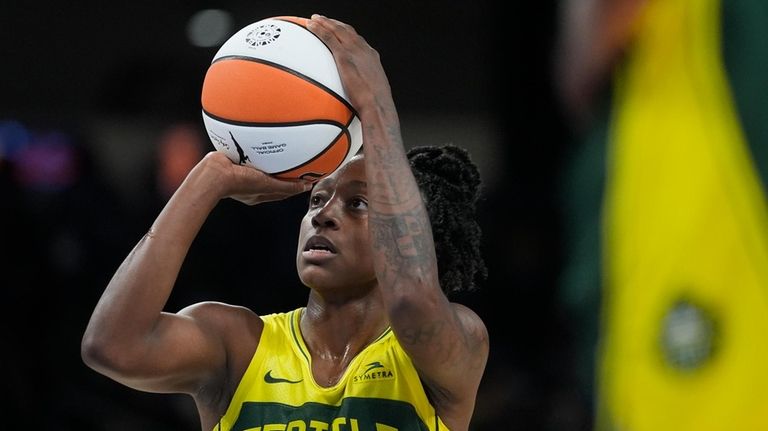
x=272, y=99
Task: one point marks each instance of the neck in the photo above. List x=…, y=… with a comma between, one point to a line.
x=338, y=330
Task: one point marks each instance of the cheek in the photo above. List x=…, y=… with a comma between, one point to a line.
x=363, y=249
x=304, y=226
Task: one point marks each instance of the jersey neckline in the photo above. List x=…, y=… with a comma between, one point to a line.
x=301, y=346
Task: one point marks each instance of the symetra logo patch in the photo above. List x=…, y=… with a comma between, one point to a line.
x=372, y=372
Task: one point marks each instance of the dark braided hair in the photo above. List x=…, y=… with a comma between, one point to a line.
x=449, y=182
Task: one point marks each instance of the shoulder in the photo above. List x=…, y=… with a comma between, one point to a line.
x=453, y=389
x=475, y=335
x=472, y=323
x=219, y=313
x=225, y=320
x=238, y=329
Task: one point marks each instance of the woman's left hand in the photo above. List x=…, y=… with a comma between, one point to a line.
x=359, y=65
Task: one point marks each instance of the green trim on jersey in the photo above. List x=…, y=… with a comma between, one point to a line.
x=745, y=55
x=353, y=414
x=295, y=316
x=379, y=391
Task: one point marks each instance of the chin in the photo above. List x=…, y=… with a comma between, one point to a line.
x=316, y=277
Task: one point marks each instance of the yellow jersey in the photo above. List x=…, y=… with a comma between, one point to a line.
x=685, y=238
x=379, y=391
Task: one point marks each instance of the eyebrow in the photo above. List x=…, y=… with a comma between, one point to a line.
x=323, y=184
x=351, y=184
x=359, y=184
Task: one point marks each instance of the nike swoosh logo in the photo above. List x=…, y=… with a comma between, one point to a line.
x=269, y=379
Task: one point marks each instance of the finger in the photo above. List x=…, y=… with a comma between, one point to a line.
x=268, y=182
x=249, y=173
x=271, y=197
x=344, y=32
x=323, y=29
x=260, y=199
x=286, y=187
x=346, y=27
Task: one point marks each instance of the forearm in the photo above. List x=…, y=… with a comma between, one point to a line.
x=135, y=297
x=129, y=338
x=401, y=236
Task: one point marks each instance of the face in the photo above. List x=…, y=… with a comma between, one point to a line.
x=334, y=249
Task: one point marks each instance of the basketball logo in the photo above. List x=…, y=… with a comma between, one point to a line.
x=262, y=35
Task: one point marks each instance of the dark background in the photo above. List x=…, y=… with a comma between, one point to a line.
x=104, y=80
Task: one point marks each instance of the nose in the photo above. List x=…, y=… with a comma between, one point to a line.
x=326, y=216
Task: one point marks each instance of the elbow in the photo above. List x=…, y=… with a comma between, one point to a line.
x=93, y=352
x=102, y=354
x=416, y=298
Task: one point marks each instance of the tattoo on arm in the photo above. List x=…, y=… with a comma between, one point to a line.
x=432, y=335
x=424, y=334
x=446, y=347
x=392, y=179
x=405, y=241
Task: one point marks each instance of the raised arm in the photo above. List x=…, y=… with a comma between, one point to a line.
x=129, y=338
x=447, y=342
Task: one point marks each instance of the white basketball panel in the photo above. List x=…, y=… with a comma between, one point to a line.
x=289, y=45
x=355, y=138
x=270, y=149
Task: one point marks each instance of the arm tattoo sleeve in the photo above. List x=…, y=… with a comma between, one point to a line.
x=405, y=241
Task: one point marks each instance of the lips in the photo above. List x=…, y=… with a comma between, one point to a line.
x=320, y=243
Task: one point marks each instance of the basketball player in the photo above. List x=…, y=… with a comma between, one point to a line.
x=378, y=345
x=674, y=96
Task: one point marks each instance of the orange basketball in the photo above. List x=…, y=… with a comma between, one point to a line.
x=272, y=99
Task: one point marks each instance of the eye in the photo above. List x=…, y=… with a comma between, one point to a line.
x=316, y=200
x=358, y=204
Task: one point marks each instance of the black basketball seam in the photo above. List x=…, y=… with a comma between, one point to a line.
x=343, y=131
x=292, y=72
x=303, y=27
x=283, y=124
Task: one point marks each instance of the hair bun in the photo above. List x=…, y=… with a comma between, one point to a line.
x=450, y=163
x=449, y=183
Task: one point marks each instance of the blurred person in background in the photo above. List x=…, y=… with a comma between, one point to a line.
x=666, y=213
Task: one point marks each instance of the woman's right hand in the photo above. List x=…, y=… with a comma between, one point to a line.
x=243, y=183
